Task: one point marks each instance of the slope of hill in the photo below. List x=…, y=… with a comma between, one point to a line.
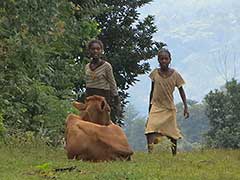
x=36, y=161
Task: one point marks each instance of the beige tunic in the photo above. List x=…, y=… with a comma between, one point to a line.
x=162, y=116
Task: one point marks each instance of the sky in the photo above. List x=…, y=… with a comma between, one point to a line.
x=203, y=37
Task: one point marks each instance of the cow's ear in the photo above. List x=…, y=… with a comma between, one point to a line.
x=79, y=106
x=105, y=106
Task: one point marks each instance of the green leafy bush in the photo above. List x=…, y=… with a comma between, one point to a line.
x=41, y=50
x=224, y=116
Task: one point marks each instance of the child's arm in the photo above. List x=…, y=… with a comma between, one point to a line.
x=183, y=96
x=150, y=99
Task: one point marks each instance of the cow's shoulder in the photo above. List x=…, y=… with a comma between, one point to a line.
x=71, y=118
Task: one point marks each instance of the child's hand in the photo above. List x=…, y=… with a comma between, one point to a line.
x=186, y=113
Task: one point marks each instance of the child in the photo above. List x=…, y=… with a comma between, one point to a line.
x=99, y=76
x=162, y=111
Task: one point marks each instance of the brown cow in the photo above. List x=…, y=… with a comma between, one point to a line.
x=92, y=136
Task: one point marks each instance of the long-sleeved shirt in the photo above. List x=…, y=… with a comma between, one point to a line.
x=101, y=78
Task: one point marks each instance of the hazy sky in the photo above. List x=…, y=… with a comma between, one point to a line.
x=200, y=34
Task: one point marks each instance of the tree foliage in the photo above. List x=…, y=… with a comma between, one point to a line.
x=224, y=116
x=134, y=127
x=193, y=128
x=128, y=41
x=42, y=56
x=39, y=45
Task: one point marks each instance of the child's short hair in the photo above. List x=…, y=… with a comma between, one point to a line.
x=95, y=41
x=164, y=50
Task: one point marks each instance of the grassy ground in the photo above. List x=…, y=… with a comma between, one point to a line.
x=42, y=162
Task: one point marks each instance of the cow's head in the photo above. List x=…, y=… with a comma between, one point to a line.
x=97, y=109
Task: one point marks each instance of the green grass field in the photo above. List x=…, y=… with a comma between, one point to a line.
x=42, y=162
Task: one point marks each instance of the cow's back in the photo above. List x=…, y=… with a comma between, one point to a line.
x=89, y=141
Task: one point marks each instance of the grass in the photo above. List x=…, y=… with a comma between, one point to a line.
x=30, y=162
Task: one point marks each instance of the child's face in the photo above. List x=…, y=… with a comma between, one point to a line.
x=95, y=50
x=164, y=59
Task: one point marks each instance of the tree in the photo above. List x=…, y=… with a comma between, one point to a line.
x=227, y=63
x=224, y=116
x=134, y=127
x=41, y=50
x=128, y=41
x=196, y=125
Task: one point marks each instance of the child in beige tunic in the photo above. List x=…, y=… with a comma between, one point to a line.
x=162, y=116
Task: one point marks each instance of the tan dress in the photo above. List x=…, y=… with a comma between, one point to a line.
x=162, y=116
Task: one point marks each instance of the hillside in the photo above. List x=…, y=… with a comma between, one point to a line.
x=42, y=162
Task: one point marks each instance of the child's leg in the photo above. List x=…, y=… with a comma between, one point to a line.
x=157, y=138
x=174, y=146
x=150, y=141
